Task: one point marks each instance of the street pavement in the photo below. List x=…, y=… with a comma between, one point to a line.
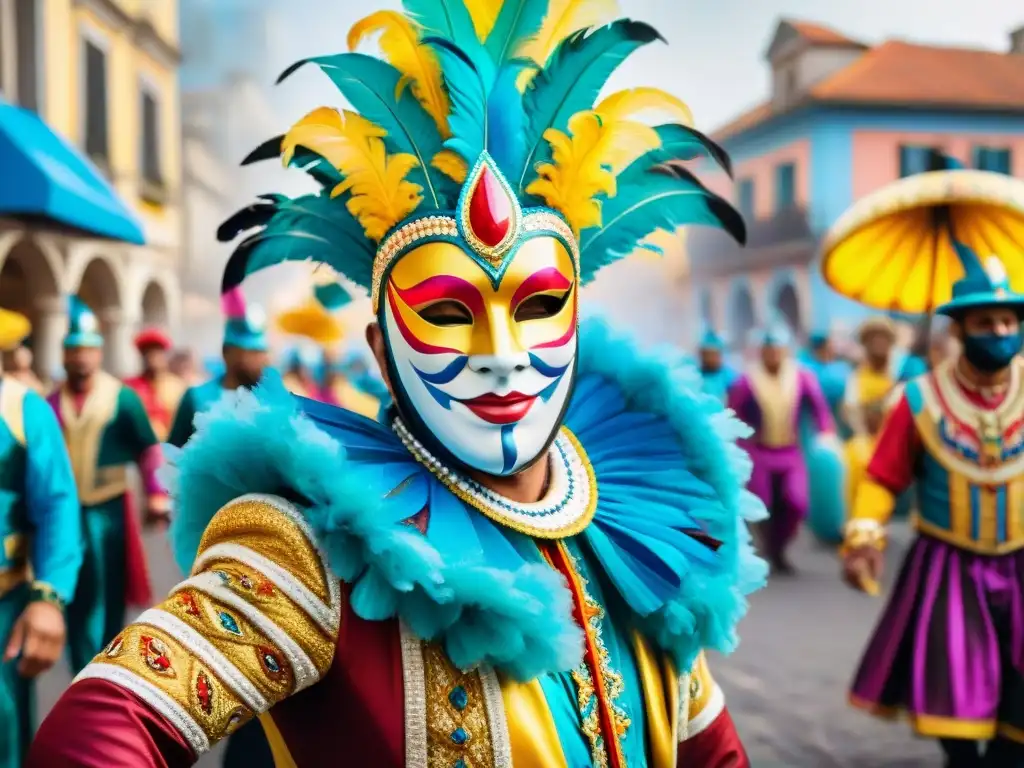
x=785, y=685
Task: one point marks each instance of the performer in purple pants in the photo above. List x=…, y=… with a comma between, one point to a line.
x=770, y=397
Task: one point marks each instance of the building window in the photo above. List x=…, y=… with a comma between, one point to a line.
x=916, y=159
x=97, y=143
x=745, y=198
x=993, y=159
x=785, y=187
x=152, y=176
x=26, y=30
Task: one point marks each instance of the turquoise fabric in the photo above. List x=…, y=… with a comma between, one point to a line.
x=717, y=383
x=195, y=400
x=96, y=614
x=83, y=327
x=17, y=700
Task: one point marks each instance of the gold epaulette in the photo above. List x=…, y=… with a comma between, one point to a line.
x=701, y=700
x=256, y=621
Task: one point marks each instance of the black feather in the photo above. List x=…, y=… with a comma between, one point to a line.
x=268, y=150
x=253, y=215
x=730, y=218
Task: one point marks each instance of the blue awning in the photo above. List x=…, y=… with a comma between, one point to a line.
x=41, y=174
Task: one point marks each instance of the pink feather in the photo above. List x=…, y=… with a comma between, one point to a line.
x=232, y=303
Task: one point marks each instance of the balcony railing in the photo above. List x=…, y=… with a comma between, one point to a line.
x=784, y=238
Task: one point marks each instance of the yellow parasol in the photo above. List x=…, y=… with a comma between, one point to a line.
x=893, y=249
x=14, y=328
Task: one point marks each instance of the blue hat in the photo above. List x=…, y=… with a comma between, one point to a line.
x=981, y=286
x=776, y=333
x=302, y=356
x=83, y=327
x=246, y=326
x=711, y=340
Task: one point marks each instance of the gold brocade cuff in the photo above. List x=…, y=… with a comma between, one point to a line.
x=863, y=533
x=41, y=592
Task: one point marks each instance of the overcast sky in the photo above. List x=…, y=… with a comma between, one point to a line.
x=714, y=59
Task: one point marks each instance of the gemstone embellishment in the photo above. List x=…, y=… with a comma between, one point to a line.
x=566, y=509
x=114, y=646
x=460, y=736
x=458, y=697
x=272, y=664
x=204, y=692
x=229, y=623
x=156, y=655
x=246, y=582
x=490, y=210
x=224, y=577
x=188, y=603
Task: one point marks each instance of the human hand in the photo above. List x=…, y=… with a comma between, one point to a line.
x=38, y=638
x=158, y=512
x=862, y=568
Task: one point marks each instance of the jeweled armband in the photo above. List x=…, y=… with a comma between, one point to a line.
x=41, y=592
x=863, y=533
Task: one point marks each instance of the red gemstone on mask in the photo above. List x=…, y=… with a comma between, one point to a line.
x=490, y=210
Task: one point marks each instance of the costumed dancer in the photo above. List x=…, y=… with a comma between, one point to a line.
x=40, y=547
x=494, y=576
x=245, y=357
x=716, y=375
x=159, y=389
x=301, y=364
x=105, y=428
x=829, y=368
x=21, y=368
x=873, y=380
x=948, y=650
x=771, y=397
x=340, y=390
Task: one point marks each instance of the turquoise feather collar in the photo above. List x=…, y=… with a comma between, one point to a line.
x=410, y=547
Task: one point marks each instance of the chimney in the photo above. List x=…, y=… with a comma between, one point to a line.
x=1017, y=41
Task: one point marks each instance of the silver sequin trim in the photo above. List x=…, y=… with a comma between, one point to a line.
x=415, y=681
x=208, y=653
x=327, y=617
x=683, y=716
x=495, y=704
x=154, y=697
x=209, y=583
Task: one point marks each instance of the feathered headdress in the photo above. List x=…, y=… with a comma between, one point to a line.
x=477, y=102
x=314, y=319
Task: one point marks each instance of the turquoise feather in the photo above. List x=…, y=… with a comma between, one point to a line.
x=469, y=84
x=571, y=82
x=664, y=200
x=309, y=228
x=678, y=143
x=332, y=296
x=517, y=22
x=449, y=19
x=370, y=85
x=506, y=119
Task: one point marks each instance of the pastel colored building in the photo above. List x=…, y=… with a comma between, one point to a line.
x=842, y=119
x=89, y=99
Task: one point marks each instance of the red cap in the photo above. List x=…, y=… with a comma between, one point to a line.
x=152, y=337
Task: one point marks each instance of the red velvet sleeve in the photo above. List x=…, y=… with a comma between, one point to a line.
x=97, y=724
x=717, y=746
x=895, y=458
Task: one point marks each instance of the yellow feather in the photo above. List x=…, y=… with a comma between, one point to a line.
x=400, y=44
x=381, y=195
x=451, y=165
x=578, y=171
x=563, y=18
x=484, y=13
x=629, y=103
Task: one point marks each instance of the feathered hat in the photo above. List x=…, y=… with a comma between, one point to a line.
x=83, y=326
x=314, y=319
x=244, y=325
x=711, y=340
x=983, y=285
x=480, y=126
x=14, y=329
x=775, y=333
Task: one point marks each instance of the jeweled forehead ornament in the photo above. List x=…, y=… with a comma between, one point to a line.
x=488, y=219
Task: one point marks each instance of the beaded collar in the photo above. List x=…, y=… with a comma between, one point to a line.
x=567, y=507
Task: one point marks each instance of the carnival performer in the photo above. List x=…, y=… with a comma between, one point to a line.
x=300, y=372
x=40, y=547
x=21, y=368
x=947, y=649
x=158, y=388
x=876, y=376
x=105, y=429
x=340, y=390
x=717, y=376
x=831, y=371
x=245, y=357
x=494, y=576
x=771, y=397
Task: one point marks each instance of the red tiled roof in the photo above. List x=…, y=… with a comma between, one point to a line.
x=901, y=73
x=818, y=34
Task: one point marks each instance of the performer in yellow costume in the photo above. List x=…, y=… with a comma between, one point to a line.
x=494, y=576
